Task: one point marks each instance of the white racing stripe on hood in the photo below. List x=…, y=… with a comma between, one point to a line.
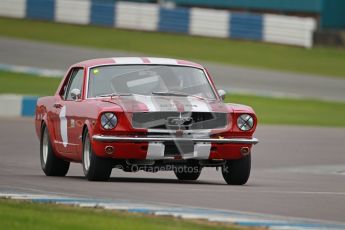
x=165, y=104
x=156, y=104
x=188, y=104
x=146, y=100
x=198, y=105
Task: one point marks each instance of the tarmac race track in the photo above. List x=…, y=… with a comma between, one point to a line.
x=297, y=172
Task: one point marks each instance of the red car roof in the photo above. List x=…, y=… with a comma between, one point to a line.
x=136, y=61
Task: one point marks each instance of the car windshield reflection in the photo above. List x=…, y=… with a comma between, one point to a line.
x=122, y=80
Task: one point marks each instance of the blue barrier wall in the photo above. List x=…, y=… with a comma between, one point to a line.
x=153, y=17
x=246, y=26
x=28, y=106
x=174, y=20
x=40, y=9
x=102, y=13
x=331, y=13
x=17, y=106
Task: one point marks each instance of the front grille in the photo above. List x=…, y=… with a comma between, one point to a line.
x=177, y=120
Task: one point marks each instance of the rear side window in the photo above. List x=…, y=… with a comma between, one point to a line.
x=75, y=82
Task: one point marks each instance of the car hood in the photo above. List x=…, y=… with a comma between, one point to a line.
x=143, y=103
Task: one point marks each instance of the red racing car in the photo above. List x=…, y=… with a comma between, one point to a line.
x=147, y=114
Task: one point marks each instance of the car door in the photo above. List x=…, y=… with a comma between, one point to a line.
x=66, y=123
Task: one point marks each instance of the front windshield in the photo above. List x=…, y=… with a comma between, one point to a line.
x=149, y=80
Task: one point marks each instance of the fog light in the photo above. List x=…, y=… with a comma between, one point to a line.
x=245, y=151
x=109, y=150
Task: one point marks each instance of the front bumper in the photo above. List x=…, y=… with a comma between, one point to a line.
x=171, y=147
x=103, y=138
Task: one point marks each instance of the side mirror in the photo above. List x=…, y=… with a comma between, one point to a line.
x=75, y=94
x=222, y=94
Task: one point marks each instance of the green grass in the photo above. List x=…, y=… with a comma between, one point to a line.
x=25, y=215
x=294, y=111
x=319, y=60
x=269, y=110
x=19, y=83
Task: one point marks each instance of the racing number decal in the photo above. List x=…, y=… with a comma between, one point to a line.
x=63, y=126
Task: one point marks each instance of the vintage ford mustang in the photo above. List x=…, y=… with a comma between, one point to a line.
x=147, y=114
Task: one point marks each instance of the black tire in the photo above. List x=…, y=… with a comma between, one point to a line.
x=237, y=172
x=97, y=169
x=188, y=172
x=51, y=165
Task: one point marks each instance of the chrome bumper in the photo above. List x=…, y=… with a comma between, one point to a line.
x=102, y=138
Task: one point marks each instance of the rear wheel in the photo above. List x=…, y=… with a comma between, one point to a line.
x=187, y=172
x=95, y=168
x=237, y=172
x=51, y=165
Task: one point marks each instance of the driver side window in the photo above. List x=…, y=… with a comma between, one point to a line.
x=75, y=82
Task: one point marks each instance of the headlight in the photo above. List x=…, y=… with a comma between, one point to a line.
x=108, y=120
x=245, y=122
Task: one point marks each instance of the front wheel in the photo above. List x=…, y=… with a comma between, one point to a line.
x=95, y=168
x=187, y=172
x=50, y=164
x=236, y=172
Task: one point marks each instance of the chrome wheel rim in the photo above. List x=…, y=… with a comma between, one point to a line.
x=86, y=154
x=45, y=147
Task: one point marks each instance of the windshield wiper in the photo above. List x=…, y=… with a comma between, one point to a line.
x=115, y=94
x=177, y=93
x=171, y=93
